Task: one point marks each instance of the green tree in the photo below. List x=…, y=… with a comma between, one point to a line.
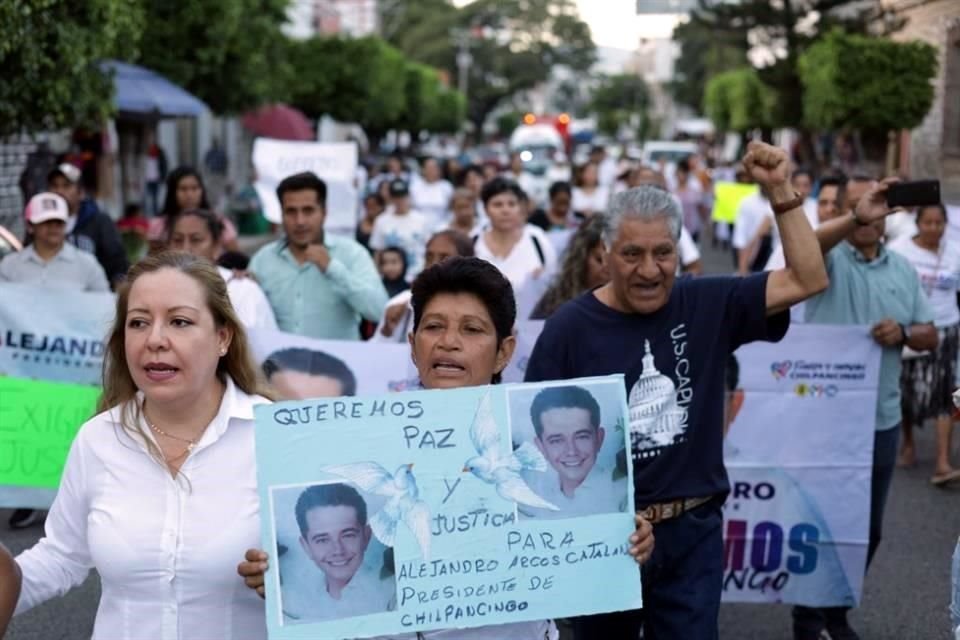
x=870, y=84
x=738, y=100
x=48, y=53
x=619, y=100
x=448, y=113
x=421, y=92
x=229, y=53
x=703, y=54
x=784, y=30
x=360, y=80
x=514, y=44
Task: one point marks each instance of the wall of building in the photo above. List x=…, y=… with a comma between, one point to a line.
x=933, y=150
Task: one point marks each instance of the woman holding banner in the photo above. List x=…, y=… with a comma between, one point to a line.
x=158, y=493
x=199, y=233
x=463, y=316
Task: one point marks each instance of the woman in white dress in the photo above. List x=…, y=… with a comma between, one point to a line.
x=464, y=312
x=198, y=232
x=159, y=491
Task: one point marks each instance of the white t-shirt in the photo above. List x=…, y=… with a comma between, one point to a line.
x=431, y=198
x=409, y=232
x=607, y=172
x=939, y=276
x=777, y=260
x=366, y=593
x=689, y=253
x=403, y=327
x=899, y=225
x=524, y=259
x=776, y=247
x=598, y=493
x=750, y=214
x=595, y=202
x=249, y=301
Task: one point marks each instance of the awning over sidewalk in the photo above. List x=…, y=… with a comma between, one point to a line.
x=142, y=91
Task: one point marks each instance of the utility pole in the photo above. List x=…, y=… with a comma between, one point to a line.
x=464, y=60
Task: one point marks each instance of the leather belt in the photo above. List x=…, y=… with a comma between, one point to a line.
x=666, y=510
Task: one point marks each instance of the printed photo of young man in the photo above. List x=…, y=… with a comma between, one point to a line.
x=335, y=535
x=566, y=420
x=296, y=373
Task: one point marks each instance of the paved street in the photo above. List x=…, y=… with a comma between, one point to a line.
x=906, y=596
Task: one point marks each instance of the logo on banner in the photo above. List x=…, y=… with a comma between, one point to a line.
x=57, y=350
x=779, y=370
x=816, y=390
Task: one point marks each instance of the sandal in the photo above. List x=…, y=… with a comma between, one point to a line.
x=943, y=479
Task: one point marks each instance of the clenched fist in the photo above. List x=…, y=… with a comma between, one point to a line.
x=768, y=165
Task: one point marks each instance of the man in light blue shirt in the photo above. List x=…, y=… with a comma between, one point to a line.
x=319, y=286
x=878, y=288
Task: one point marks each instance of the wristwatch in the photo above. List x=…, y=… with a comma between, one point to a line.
x=904, y=328
x=789, y=205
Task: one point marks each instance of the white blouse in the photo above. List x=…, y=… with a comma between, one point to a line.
x=166, y=549
x=524, y=260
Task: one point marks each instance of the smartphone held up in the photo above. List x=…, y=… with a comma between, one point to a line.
x=917, y=193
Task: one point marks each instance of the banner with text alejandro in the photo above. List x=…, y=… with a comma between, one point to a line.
x=799, y=451
x=51, y=350
x=445, y=509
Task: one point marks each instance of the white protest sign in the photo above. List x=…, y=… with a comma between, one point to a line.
x=335, y=163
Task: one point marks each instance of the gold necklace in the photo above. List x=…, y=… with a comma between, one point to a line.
x=191, y=444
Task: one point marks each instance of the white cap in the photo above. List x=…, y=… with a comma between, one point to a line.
x=68, y=171
x=46, y=206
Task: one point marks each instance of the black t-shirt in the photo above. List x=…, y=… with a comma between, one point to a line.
x=674, y=362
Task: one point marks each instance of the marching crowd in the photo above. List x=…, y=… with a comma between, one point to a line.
x=448, y=259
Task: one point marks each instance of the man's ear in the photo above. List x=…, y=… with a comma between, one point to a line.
x=601, y=434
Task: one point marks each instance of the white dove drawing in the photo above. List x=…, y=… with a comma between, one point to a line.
x=503, y=470
x=403, y=500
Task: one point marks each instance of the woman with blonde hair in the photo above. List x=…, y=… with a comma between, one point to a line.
x=159, y=491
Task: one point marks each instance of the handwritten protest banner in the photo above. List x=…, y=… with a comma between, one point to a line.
x=727, y=198
x=799, y=452
x=38, y=421
x=336, y=163
x=444, y=509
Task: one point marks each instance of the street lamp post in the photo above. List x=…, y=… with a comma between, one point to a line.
x=464, y=59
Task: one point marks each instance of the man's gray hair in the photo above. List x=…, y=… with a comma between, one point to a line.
x=645, y=203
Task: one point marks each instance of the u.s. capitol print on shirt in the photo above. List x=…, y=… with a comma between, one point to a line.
x=657, y=419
